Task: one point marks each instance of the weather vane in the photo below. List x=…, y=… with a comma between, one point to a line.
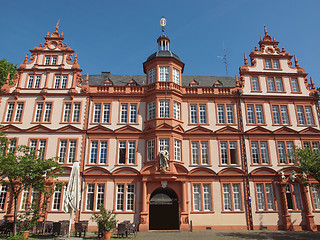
x=163, y=23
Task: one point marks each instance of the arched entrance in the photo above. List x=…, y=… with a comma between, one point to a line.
x=164, y=210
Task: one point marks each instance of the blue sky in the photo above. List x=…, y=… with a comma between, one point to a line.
x=118, y=36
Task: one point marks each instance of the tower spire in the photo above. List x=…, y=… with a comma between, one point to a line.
x=57, y=26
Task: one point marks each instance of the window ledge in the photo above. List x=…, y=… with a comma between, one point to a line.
x=201, y=212
x=232, y=211
x=265, y=211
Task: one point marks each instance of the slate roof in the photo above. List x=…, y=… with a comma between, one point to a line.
x=122, y=80
x=163, y=53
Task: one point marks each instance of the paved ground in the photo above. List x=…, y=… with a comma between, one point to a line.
x=215, y=235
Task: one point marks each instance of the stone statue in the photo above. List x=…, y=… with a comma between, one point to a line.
x=164, y=158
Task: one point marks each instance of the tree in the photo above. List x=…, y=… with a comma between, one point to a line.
x=23, y=168
x=308, y=160
x=5, y=68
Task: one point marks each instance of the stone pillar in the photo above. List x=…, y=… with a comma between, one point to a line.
x=306, y=204
x=144, y=224
x=184, y=218
x=285, y=212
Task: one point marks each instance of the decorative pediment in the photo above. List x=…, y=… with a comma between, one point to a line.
x=179, y=129
x=263, y=171
x=39, y=129
x=96, y=171
x=100, y=129
x=309, y=130
x=193, y=83
x=10, y=129
x=69, y=129
x=149, y=128
x=127, y=129
x=199, y=129
x=217, y=84
x=285, y=130
x=202, y=171
x=125, y=171
x=164, y=126
x=228, y=130
x=259, y=130
x=231, y=171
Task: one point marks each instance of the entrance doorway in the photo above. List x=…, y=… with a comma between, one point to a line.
x=164, y=210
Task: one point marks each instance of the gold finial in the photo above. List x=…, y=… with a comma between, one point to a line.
x=163, y=23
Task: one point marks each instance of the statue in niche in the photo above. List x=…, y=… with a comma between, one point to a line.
x=164, y=159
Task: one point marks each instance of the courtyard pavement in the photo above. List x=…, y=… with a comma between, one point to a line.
x=209, y=235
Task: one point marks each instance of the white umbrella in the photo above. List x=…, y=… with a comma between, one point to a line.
x=73, y=193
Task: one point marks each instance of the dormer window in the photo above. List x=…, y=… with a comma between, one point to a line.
x=164, y=74
x=152, y=75
x=218, y=84
x=193, y=83
x=132, y=82
x=108, y=82
x=176, y=75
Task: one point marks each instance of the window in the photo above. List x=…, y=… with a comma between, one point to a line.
x=272, y=64
x=275, y=84
x=14, y=112
x=150, y=150
x=293, y=194
x=268, y=64
x=280, y=115
x=35, y=199
x=259, y=152
x=225, y=114
x=60, y=81
x=71, y=112
x=199, y=153
x=198, y=113
x=305, y=115
x=57, y=193
x=164, y=142
x=202, y=197
x=125, y=197
x=163, y=74
x=255, y=84
x=232, y=197
x=95, y=196
x=67, y=151
x=50, y=60
x=176, y=76
x=101, y=113
x=315, y=196
x=38, y=147
x=24, y=198
x=127, y=152
x=255, y=114
x=285, y=148
x=265, y=197
x=164, y=108
x=34, y=81
x=151, y=110
x=43, y=112
x=98, y=152
x=295, y=85
x=3, y=196
x=177, y=150
x=152, y=75
x=176, y=110
x=228, y=153
x=128, y=113
x=315, y=146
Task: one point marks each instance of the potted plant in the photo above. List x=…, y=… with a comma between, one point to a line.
x=28, y=220
x=106, y=220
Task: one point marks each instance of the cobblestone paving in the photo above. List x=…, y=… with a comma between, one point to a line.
x=209, y=235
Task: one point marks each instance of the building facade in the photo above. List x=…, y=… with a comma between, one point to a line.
x=166, y=150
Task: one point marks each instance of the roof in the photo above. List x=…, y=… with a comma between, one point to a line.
x=122, y=80
x=163, y=53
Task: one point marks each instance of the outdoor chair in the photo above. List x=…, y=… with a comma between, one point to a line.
x=39, y=228
x=60, y=228
x=132, y=228
x=81, y=227
x=122, y=230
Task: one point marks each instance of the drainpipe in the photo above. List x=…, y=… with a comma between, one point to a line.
x=245, y=166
